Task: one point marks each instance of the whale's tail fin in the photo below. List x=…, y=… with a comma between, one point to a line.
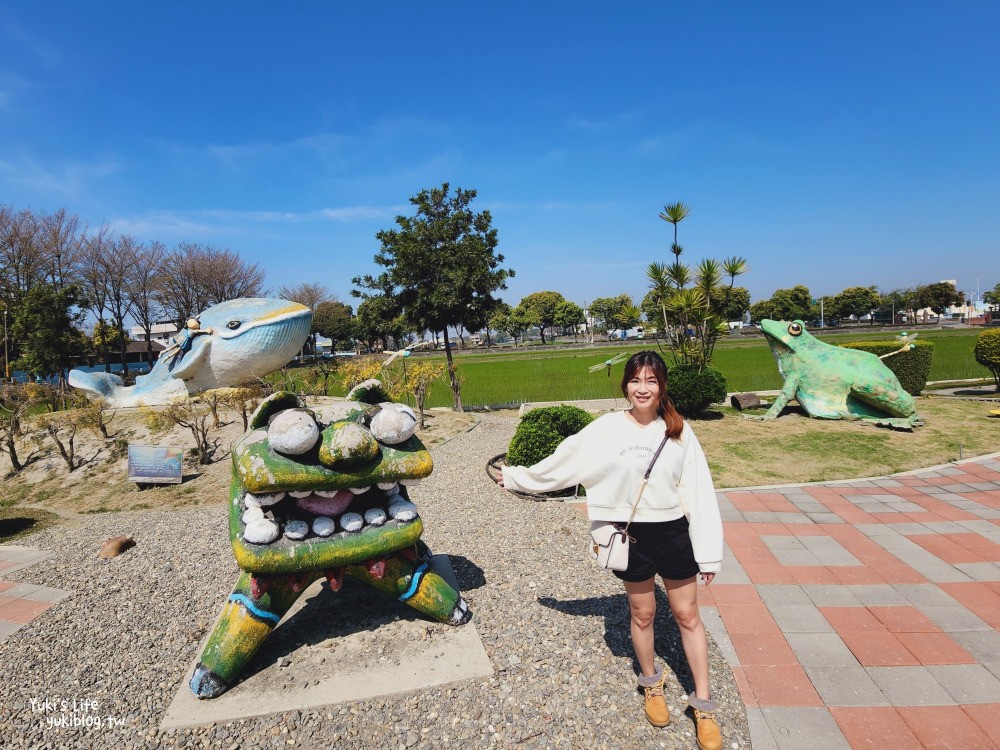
x=95, y=384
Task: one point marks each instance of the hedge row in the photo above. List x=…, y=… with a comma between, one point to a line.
x=911, y=368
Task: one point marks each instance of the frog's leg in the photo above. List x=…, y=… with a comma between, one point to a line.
x=787, y=392
x=885, y=398
x=253, y=610
x=406, y=576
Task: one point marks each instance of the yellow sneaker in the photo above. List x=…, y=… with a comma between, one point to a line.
x=709, y=734
x=656, y=705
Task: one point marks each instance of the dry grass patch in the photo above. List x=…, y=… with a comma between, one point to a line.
x=100, y=486
x=795, y=448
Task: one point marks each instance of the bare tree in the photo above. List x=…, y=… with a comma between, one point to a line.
x=118, y=263
x=196, y=276
x=93, y=279
x=60, y=238
x=312, y=296
x=22, y=262
x=140, y=286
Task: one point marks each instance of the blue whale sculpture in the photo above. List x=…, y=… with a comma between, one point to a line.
x=236, y=341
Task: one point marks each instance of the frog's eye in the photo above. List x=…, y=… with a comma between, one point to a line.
x=232, y=325
x=795, y=329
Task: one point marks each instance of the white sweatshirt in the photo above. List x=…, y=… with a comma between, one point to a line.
x=610, y=456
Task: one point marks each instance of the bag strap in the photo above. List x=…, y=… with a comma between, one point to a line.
x=645, y=481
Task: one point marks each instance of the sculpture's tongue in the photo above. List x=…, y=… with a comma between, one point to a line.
x=326, y=506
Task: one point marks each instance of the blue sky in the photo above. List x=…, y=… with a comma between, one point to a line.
x=833, y=145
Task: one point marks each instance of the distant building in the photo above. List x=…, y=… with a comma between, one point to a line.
x=161, y=332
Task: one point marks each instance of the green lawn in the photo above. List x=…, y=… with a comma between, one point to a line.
x=513, y=376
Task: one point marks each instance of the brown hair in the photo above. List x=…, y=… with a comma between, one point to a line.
x=665, y=408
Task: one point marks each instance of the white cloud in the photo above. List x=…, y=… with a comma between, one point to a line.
x=69, y=179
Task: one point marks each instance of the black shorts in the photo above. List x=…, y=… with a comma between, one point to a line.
x=661, y=548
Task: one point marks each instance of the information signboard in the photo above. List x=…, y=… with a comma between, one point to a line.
x=155, y=464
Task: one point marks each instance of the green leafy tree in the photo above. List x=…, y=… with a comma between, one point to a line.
x=544, y=305
x=733, y=304
x=691, y=303
x=786, y=304
x=46, y=328
x=439, y=263
x=106, y=337
x=379, y=318
x=520, y=321
x=987, y=352
x=857, y=301
x=992, y=297
x=334, y=320
x=569, y=316
x=938, y=297
x=897, y=302
x=608, y=312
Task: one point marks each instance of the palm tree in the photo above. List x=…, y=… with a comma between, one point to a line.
x=675, y=213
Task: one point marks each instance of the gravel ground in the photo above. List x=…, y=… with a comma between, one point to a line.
x=555, y=628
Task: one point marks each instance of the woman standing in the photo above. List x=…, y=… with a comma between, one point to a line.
x=677, y=527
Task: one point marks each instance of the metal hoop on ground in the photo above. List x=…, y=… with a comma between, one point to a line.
x=494, y=467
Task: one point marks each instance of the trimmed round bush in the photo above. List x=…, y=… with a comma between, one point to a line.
x=987, y=351
x=691, y=391
x=541, y=431
x=911, y=368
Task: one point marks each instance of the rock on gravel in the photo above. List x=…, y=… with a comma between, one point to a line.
x=555, y=628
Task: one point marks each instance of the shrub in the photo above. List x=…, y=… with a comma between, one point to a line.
x=541, y=431
x=691, y=391
x=911, y=368
x=987, y=351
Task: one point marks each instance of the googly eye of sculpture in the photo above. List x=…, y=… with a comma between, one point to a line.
x=312, y=499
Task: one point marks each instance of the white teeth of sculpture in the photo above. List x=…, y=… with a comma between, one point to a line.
x=250, y=501
x=324, y=526
x=359, y=490
x=326, y=493
x=296, y=529
x=263, y=501
x=262, y=531
x=389, y=487
x=403, y=510
x=352, y=521
x=409, y=482
x=301, y=493
x=253, y=513
x=375, y=516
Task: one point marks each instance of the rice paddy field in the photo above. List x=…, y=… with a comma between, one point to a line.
x=512, y=376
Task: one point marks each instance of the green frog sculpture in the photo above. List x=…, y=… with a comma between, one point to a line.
x=313, y=498
x=831, y=382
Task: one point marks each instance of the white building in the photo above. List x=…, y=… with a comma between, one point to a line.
x=161, y=332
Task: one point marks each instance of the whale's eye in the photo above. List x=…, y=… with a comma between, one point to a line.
x=795, y=329
x=232, y=325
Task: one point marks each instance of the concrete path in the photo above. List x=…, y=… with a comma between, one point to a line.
x=22, y=602
x=864, y=614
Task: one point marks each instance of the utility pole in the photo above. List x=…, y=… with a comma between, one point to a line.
x=6, y=356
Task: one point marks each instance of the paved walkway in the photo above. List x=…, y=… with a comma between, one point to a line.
x=857, y=614
x=22, y=602
x=864, y=614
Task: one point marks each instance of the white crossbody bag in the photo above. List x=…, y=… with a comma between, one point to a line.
x=608, y=542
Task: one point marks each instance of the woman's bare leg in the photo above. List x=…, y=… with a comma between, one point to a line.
x=642, y=605
x=683, y=598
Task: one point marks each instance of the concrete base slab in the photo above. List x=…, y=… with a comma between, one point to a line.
x=351, y=645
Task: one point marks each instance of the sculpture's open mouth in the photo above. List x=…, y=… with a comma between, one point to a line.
x=309, y=495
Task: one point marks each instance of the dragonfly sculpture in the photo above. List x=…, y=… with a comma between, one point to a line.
x=608, y=363
x=906, y=341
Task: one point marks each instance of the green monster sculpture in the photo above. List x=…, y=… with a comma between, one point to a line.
x=834, y=383
x=311, y=500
